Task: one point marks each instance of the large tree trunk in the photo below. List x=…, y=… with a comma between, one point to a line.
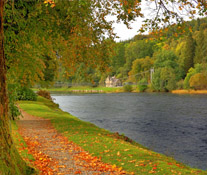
x=4, y=126
x=5, y=136
x=10, y=161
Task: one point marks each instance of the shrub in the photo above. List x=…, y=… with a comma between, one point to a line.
x=127, y=88
x=198, y=81
x=44, y=94
x=25, y=93
x=191, y=72
x=179, y=84
x=164, y=79
x=13, y=109
x=142, y=85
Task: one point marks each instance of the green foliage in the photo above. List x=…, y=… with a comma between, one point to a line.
x=140, y=69
x=13, y=109
x=180, y=84
x=187, y=53
x=49, y=71
x=142, y=85
x=164, y=79
x=136, y=50
x=198, y=81
x=45, y=94
x=25, y=93
x=166, y=58
x=127, y=88
x=192, y=71
x=25, y=43
x=167, y=71
x=201, y=45
x=118, y=60
x=126, y=52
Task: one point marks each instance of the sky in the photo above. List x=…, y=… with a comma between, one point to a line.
x=147, y=9
x=124, y=33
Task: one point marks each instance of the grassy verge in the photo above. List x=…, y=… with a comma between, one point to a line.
x=112, y=148
x=20, y=144
x=11, y=162
x=85, y=89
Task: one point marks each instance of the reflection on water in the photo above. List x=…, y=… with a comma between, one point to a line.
x=175, y=125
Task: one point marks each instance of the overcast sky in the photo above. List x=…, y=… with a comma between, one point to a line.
x=124, y=33
x=147, y=7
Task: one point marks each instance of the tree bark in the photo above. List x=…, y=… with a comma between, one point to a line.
x=6, y=149
x=4, y=120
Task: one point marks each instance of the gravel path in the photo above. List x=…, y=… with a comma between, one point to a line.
x=54, y=154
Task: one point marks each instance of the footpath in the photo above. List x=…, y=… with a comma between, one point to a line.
x=54, y=154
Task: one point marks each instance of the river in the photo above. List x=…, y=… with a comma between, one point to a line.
x=175, y=125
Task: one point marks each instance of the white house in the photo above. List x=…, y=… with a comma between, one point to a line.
x=112, y=82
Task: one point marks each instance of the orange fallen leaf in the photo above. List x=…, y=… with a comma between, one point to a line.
x=78, y=172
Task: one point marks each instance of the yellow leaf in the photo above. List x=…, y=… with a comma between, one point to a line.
x=53, y=5
x=113, y=166
x=118, y=153
x=129, y=11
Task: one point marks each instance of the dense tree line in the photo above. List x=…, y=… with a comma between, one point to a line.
x=177, y=54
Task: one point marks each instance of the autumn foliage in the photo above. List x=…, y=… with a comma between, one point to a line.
x=45, y=94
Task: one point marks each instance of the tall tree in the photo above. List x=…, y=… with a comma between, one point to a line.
x=5, y=134
x=201, y=45
x=10, y=160
x=187, y=53
x=136, y=50
x=118, y=60
x=140, y=69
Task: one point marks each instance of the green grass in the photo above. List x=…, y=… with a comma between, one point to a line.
x=132, y=157
x=10, y=160
x=85, y=89
x=20, y=144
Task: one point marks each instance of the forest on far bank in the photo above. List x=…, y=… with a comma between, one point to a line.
x=178, y=55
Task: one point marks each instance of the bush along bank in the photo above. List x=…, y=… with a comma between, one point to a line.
x=110, y=147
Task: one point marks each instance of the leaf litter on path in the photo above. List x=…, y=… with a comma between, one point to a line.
x=55, y=155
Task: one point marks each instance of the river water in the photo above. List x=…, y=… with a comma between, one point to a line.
x=175, y=125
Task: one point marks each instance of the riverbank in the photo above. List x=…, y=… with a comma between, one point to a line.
x=100, y=89
x=109, y=147
x=189, y=91
x=84, y=89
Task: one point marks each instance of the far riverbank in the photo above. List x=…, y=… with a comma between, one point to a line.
x=189, y=91
x=84, y=89
x=101, y=89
